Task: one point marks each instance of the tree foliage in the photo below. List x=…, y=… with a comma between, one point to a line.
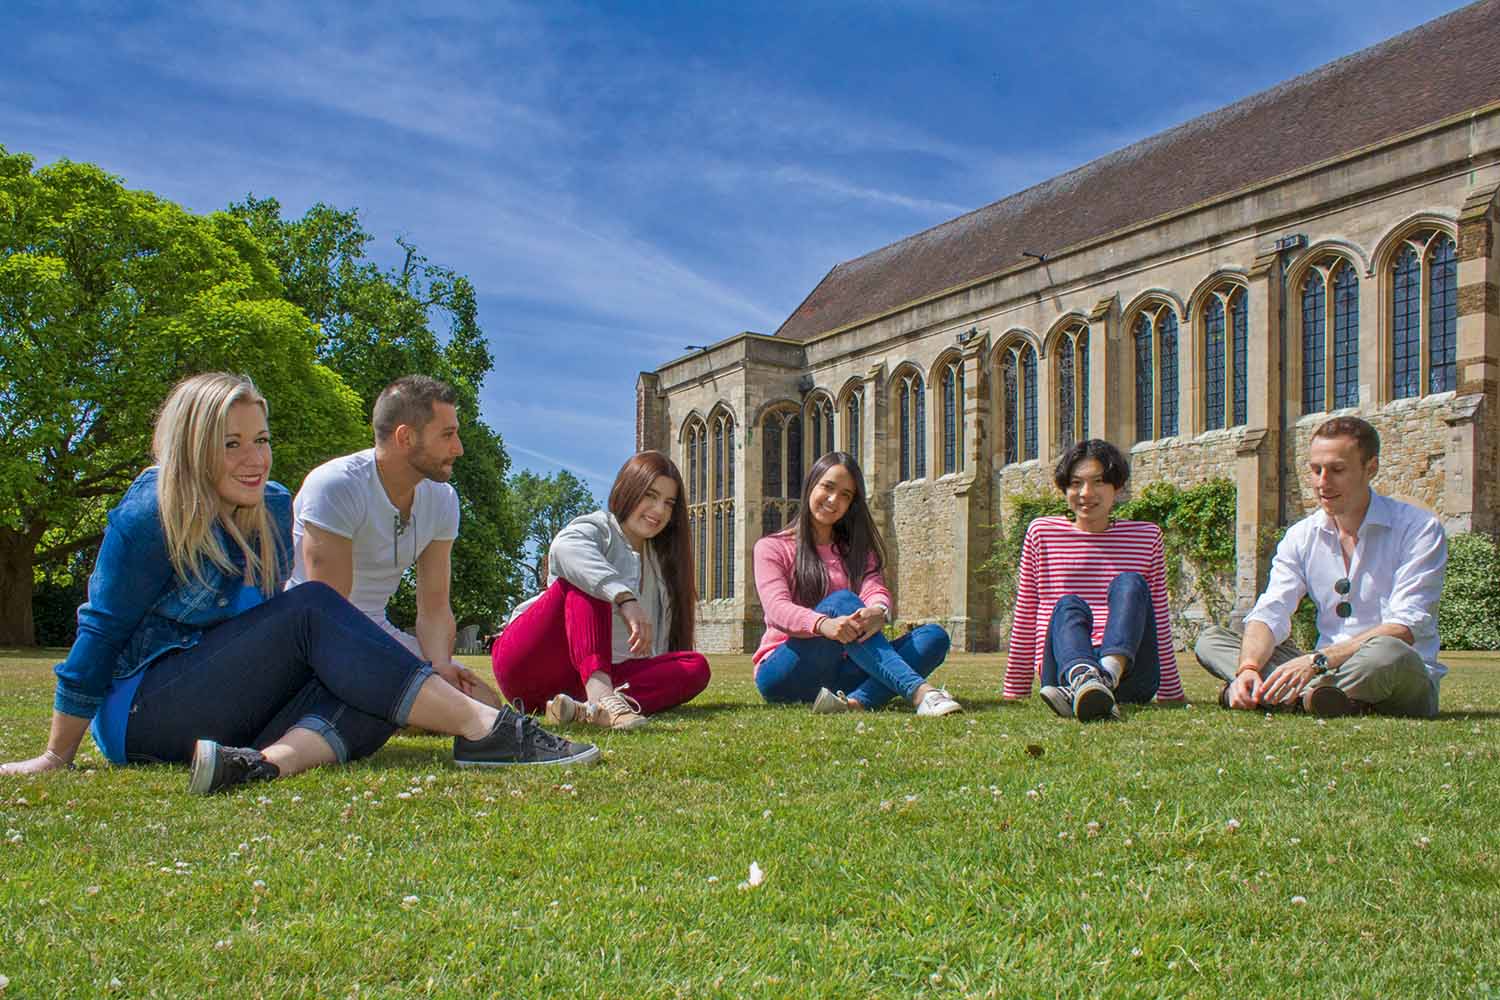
x=107, y=297
x=375, y=325
x=546, y=505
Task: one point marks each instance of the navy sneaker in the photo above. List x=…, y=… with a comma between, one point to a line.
x=516, y=739
x=218, y=767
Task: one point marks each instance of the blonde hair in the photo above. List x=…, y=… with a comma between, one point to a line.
x=188, y=445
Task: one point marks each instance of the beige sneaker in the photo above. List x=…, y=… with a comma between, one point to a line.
x=564, y=709
x=617, y=711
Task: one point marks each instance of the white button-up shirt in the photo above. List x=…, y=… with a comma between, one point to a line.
x=1395, y=575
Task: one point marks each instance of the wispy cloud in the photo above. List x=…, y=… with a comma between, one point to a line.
x=844, y=189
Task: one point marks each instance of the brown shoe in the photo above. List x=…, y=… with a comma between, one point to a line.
x=1327, y=701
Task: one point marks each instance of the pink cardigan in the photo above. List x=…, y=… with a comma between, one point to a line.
x=775, y=557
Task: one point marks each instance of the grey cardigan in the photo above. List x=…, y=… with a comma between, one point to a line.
x=592, y=554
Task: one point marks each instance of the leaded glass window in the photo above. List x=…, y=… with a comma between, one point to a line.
x=1028, y=393
x=911, y=422
x=699, y=457
x=1010, y=407
x=1314, y=325
x=953, y=416
x=781, y=467
x=1239, y=322
x=723, y=505
x=1406, y=326
x=1167, y=323
x=1145, y=380
x=1345, y=337
x=1213, y=364
x=852, y=408
x=1072, y=354
x=1443, y=315
x=820, y=427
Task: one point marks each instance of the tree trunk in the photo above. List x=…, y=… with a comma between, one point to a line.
x=17, y=555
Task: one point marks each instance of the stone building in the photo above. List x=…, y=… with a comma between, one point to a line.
x=1207, y=296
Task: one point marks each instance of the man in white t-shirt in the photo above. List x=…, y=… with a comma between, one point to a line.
x=362, y=520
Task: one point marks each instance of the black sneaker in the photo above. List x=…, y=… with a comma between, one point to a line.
x=517, y=739
x=1093, y=697
x=216, y=767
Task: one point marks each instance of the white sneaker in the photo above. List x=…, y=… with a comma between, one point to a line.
x=830, y=702
x=938, y=702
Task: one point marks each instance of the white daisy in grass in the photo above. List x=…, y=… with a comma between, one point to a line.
x=1231, y=824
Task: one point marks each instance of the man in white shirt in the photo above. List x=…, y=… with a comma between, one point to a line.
x=1373, y=566
x=362, y=520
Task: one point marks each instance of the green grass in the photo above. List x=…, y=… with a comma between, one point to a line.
x=903, y=857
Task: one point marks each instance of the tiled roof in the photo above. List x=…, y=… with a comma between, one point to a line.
x=1439, y=69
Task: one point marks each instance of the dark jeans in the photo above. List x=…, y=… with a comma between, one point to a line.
x=1130, y=632
x=873, y=671
x=305, y=659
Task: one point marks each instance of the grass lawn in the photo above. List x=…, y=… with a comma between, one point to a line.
x=1181, y=853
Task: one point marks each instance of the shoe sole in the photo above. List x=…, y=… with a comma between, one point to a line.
x=1057, y=699
x=635, y=722
x=201, y=778
x=589, y=756
x=1092, y=702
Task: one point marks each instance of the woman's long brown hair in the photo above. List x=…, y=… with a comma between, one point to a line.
x=673, y=546
x=855, y=537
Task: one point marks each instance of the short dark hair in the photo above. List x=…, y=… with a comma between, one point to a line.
x=408, y=400
x=1116, y=468
x=1363, y=433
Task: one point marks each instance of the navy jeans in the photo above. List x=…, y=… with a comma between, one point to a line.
x=872, y=672
x=1130, y=632
x=305, y=659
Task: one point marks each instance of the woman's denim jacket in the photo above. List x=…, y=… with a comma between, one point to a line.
x=138, y=608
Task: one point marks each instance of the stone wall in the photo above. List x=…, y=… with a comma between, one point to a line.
x=922, y=545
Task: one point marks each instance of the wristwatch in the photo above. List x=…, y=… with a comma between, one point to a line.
x=1320, y=664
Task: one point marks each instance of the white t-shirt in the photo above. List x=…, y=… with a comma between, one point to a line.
x=344, y=496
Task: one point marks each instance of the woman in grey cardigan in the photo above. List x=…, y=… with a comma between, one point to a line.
x=617, y=614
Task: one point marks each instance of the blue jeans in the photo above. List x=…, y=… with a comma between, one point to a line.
x=305, y=659
x=1130, y=632
x=873, y=671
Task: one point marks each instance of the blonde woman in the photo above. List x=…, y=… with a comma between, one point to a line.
x=188, y=649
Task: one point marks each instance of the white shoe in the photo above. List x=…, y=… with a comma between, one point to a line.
x=830, y=702
x=938, y=702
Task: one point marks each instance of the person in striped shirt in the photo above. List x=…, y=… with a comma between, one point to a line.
x=1091, y=603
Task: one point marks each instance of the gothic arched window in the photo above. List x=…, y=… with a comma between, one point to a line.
x=852, y=408
x=1155, y=332
x=911, y=420
x=1226, y=334
x=721, y=430
x=1424, y=315
x=696, y=445
x=820, y=427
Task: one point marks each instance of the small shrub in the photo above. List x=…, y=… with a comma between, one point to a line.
x=1469, y=611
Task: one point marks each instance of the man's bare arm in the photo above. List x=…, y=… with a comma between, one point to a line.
x=328, y=558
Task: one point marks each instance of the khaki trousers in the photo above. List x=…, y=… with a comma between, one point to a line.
x=1384, y=672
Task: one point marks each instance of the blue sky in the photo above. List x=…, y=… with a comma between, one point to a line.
x=621, y=180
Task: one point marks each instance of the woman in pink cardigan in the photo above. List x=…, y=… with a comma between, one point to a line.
x=826, y=605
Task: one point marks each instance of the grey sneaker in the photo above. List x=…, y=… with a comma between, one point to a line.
x=218, y=767
x=515, y=740
x=1059, y=699
x=830, y=702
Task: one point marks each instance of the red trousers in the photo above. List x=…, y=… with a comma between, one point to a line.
x=564, y=637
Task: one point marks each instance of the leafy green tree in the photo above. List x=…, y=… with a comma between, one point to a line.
x=375, y=325
x=546, y=504
x=107, y=297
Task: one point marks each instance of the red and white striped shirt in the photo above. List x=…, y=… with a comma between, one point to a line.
x=1059, y=558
